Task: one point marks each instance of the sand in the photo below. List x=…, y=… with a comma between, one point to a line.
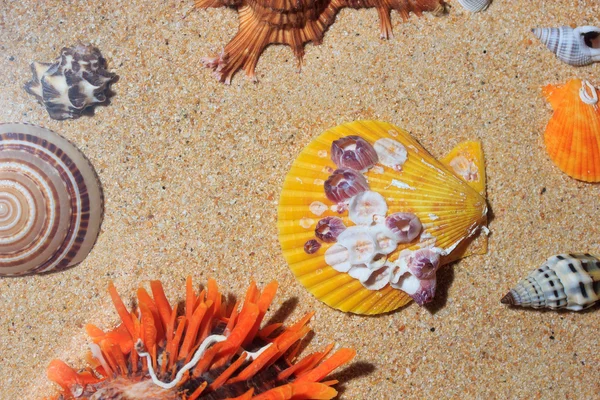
x=192, y=171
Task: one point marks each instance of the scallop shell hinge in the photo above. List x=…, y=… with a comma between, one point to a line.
x=51, y=202
x=77, y=80
x=570, y=281
x=578, y=47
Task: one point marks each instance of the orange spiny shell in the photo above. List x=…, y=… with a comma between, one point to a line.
x=207, y=349
x=573, y=133
x=264, y=22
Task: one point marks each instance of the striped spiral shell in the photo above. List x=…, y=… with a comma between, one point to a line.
x=570, y=281
x=578, y=47
x=51, y=202
x=475, y=5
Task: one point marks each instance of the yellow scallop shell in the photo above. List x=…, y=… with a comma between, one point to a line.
x=450, y=205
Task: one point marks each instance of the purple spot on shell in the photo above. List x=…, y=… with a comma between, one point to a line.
x=312, y=246
x=406, y=226
x=343, y=184
x=424, y=263
x=353, y=152
x=425, y=293
x=329, y=228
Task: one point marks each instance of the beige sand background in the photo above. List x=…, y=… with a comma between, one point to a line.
x=192, y=171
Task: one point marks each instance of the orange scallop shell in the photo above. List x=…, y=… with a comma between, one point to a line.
x=573, y=133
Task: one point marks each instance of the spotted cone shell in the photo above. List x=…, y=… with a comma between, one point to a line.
x=451, y=207
x=572, y=135
x=51, y=202
x=569, y=281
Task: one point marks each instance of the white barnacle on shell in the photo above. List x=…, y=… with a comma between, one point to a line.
x=51, y=202
x=78, y=79
x=578, y=47
x=570, y=281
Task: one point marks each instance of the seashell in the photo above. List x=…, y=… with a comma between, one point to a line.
x=329, y=228
x=293, y=23
x=570, y=281
x=578, y=47
x=365, y=206
x=356, y=273
x=51, y=202
x=343, y=184
x=227, y=353
x=572, y=135
x=475, y=5
x=353, y=152
x=78, y=79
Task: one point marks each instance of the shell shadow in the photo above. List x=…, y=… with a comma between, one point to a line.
x=445, y=277
x=355, y=370
x=591, y=309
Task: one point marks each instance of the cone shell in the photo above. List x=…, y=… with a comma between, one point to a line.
x=475, y=5
x=569, y=281
x=575, y=46
x=51, y=202
x=450, y=209
x=573, y=133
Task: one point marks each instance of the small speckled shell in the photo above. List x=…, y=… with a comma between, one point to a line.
x=450, y=209
x=475, y=5
x=51, y=202
x=570, y=281
x=76, y=81
x=569, y=44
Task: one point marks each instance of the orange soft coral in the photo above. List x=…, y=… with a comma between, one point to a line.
x=263, y=22
x=209, y=350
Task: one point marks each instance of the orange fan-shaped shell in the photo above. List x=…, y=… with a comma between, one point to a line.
x=573, y=133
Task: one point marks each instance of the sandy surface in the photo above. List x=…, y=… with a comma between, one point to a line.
x=192, y=171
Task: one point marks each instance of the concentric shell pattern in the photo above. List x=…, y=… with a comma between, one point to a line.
x=578, y=47
x=572, y=135
x=570, y=281
x=416, y=213
x=51, y=202
x=76, y=81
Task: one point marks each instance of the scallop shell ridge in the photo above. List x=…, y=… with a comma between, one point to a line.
x=572, y=136
x=569, y=281
x=51, y=202
x=450, y=210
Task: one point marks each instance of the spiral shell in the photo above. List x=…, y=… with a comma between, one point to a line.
x=475, y=5
x=578, y=47
x=570, y=281
x=76, y=81
x=51, y=202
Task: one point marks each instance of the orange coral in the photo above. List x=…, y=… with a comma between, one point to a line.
x=203, y=352
x=264, y=22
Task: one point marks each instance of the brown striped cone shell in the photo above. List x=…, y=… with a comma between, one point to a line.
x=264, y=22
x=51, y=202
x=569, y=281
x=578, y=47
x=78, y=79
x=475, y=5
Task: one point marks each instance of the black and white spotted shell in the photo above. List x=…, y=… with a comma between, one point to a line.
x=570, y=281
x=77, y=80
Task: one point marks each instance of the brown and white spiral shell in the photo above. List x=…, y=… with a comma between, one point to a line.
x=475, y=5
x=570, y=281
x=78, y=79
x=51, y=202
x=578, y=47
